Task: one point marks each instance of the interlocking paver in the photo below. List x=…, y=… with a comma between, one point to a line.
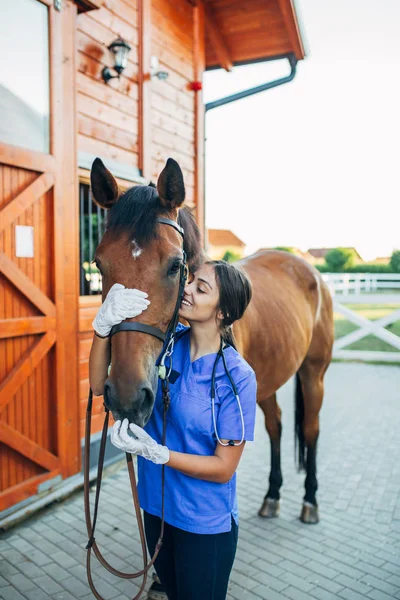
x=21, y=583
x=10, y=593
x=378, y=595
x=353, y=554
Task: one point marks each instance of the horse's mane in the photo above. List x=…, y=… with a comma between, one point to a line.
x=136, y=213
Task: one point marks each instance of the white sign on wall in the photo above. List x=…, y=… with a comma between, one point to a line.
x=24, y=241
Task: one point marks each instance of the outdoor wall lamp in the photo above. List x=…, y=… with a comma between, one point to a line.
x=120, y=49
x=155, y=70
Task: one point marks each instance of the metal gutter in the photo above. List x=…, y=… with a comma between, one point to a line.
x=260, y=88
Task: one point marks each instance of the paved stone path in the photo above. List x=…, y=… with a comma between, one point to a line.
x=354, y=552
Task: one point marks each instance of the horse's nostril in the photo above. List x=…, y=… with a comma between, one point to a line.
x=147, y=399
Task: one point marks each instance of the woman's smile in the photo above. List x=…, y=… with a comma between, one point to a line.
x=186, y=302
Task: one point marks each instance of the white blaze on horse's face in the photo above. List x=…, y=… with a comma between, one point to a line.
x=136, y=250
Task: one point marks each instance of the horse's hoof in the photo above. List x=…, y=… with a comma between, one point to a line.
x=156, y=591
x=309, y=514
x=270, y=509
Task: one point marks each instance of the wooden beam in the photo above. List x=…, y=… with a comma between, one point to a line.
x=24, y=490
x=217, y=40
x=28, y=448
x=10, y=328
x=292, y=27
x=24, y=368
x=26, y=286
x=199, y=68
x=144, y=51
x=26, y=159
x=66, y=238
x=23, y=201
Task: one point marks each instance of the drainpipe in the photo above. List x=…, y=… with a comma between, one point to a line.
x=260, y=88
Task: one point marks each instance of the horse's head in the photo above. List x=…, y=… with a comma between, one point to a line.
x=139, y=252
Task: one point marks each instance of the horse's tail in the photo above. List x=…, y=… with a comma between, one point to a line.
x=299, y=442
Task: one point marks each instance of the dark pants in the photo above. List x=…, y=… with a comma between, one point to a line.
x=192, y=566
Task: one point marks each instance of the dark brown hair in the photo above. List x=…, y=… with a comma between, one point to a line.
x=235, y=293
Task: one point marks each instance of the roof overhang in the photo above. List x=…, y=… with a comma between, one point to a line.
x=240, y=32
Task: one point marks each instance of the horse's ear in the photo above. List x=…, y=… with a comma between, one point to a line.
x=170, y=186
x=104, y=186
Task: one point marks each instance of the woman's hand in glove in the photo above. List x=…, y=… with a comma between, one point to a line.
x=121, y=303
x=142, y=444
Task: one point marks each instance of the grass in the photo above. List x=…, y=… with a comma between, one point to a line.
x=371, y=312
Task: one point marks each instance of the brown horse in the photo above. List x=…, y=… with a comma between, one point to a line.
x=287, y=329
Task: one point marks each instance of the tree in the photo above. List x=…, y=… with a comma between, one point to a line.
x=340, y=259
x=395, y=261
x=230, y=256
x=285, y=248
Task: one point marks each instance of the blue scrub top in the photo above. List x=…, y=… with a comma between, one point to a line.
x=193, y=504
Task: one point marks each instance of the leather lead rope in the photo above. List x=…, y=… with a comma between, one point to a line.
x=168, y=342
x=91, y=525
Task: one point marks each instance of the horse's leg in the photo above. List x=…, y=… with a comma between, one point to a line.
x=272, y=413
x=309, y=396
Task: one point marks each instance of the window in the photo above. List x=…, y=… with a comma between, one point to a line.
x=92, y=222
x=24, y=74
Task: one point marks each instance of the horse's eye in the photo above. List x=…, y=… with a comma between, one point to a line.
x=173, y=270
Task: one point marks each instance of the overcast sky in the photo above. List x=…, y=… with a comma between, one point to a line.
x=314, y=162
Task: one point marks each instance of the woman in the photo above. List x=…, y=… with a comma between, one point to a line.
x=205, y=438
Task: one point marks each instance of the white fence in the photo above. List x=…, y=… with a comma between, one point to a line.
x=365, y=288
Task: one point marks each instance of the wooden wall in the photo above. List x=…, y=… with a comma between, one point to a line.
x=109, y=116
x=172, y=103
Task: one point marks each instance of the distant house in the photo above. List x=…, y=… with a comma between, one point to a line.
x=320, y=253
x=306, y=255
x=382, y=260
x=222, y=240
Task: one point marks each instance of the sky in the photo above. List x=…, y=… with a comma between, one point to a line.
x=314, y=162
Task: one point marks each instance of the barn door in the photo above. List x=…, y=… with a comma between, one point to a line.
x=38, y=249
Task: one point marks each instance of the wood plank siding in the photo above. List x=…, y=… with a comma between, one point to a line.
x=107, y=114
x=251, y=31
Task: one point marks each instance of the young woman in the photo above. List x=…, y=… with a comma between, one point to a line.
x=205, y=437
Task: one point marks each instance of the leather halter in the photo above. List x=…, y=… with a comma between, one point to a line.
x=168, y=339
x=149, y=329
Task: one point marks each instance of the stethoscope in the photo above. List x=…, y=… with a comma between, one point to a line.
x=234, y=389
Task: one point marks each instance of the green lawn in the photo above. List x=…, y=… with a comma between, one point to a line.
x=372, y=312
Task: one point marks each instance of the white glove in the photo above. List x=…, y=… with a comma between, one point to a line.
x=121, y=303
x=142, y=444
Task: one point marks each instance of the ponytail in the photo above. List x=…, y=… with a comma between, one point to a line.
x=228, y=336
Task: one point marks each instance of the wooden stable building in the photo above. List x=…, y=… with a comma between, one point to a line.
x=56, y=115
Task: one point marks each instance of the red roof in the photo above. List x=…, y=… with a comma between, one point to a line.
x=322, y=252
x=223, y=237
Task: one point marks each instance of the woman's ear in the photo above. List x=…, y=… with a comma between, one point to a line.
x=220, y=315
